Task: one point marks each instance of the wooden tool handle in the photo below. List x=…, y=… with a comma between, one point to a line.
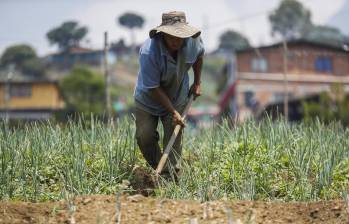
x=173, y=137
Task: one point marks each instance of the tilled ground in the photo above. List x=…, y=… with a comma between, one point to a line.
x=140, y=209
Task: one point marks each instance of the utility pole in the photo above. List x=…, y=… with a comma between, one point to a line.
x=285, y=54
x=107, y=76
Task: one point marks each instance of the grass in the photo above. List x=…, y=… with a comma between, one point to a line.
x=42, y=161
x=265, y=161
x=257, y=161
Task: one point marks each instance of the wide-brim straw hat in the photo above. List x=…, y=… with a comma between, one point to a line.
x=175, y=24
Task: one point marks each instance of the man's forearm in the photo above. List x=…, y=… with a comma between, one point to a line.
x=197, y=67
x=159, y=94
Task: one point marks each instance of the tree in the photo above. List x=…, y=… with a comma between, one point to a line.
x=67, y=35
x=332, y=106
x=231, y=40
x=83, y=91
x=24, y=58
x=131, y=21
x=291, y=20
x=326, y=35
x=17, y=55
x=33, y=67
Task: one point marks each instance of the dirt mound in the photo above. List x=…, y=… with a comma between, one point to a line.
x=140, y=209
x=143, y=182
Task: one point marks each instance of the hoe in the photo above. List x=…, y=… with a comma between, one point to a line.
x=173, y=138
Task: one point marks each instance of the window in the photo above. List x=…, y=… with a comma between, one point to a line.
x=323, y=64
x=259, y=65
x=249, y=97
x=20, y=90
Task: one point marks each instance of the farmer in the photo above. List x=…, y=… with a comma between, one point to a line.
x=162, y=88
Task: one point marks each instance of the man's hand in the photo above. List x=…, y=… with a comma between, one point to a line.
x=177, y=119
x=195, y=89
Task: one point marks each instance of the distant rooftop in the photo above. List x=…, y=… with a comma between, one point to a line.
x=79, y=50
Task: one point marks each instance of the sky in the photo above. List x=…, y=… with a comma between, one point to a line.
x=28, y=21
x=341, y=18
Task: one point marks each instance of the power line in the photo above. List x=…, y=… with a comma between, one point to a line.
x=238, y=19
x=244, y=17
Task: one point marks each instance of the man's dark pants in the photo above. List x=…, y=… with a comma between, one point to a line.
x=148, y=137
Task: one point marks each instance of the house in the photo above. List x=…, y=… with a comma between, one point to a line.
x=28, y=98
x=260, y=79
x=79, y=55
x=304, y=57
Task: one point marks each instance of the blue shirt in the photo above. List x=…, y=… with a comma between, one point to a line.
x=159, y=69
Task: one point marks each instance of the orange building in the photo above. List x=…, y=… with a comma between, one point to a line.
x=28, y=98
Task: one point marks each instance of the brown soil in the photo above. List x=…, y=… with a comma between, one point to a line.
x=143, y=182
x=140, y=209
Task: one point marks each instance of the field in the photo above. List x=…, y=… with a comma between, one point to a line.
x=90, y=172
